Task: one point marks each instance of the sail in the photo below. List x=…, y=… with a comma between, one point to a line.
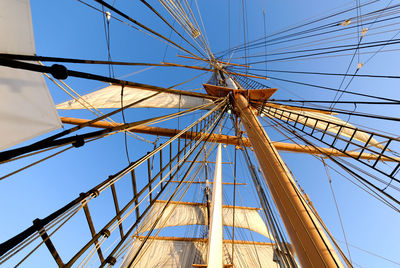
x=184, y=252
x=320, y=121
x=182, y=213
x=110, y=97
x=26, y=107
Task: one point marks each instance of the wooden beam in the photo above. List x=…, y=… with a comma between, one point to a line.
x=248, y=75
x=310, y=242
x=206, y=265
x=222, y=62
x=48, y=243
x=254, y=95
x=203, y=204
x=203, y=182
x=170, y=64
x=134, y=188
x=204, y=240
x=116, y=205
x=150, y=178
x=232, y=140
x=92, y=230
x=209, y=162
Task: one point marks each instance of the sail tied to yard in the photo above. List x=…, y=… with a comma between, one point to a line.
x=185, y=213
x=183, y=252
x=26, y=107
x=199, y=252
x=110, y=97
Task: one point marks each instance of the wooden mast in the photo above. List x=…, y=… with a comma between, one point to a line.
x=215, y=254
x=309, y=239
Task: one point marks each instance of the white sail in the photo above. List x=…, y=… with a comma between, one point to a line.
x=181, y=214
x=26, y=107
x=110, y=97
x=321, y=121
x=182, y=252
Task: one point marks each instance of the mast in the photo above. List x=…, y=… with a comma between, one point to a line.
x=309, y=240
x=215, y=254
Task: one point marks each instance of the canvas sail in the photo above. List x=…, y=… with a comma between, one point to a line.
x=182, y=252
x=110, y=97
x=181, y=214
x=26, y=107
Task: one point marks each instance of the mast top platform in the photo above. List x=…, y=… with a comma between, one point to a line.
x=253, y=94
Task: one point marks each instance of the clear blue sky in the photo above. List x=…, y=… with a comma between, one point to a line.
x=67, y=28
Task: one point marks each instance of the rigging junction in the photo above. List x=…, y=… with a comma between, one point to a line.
x=231, y=94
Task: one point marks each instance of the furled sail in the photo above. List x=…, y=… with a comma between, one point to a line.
x=184, y=252
x=321, y=121
x=182, y=213
x=26, y=107
x=110, y=97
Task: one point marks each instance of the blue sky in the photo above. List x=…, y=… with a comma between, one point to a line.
x=67, y=28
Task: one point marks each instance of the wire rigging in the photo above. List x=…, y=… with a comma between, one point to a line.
x=334, y=25
x=192, y=24
x=296, y=27
x=336, y=205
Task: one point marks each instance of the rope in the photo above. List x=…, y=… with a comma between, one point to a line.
x=336, y=205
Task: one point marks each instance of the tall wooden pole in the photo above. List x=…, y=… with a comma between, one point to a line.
x=215, y=255
x=310, y=242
